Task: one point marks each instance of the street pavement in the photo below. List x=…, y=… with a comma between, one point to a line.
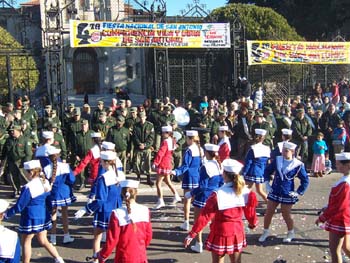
x=310, y=244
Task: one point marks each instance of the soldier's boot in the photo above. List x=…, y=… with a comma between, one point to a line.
x=139, y=177
x=149, y=180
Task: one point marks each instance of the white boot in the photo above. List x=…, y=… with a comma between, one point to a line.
x=198, y=247
x=160, y=204
x=53, y=239
x=290, y=236
x=59, y=260
x=67, y=239
x=176, y=199
x=185, y=226
x=265, y=235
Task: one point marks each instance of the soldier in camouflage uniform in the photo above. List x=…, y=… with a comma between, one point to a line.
x=143, y=138
x=16, y=150
x=82, y=144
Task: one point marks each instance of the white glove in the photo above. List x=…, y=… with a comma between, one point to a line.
x=188, y=241
x=80, y=213
x=293, y=194
x=173, y=172
x=89, y=201
x=188, y=195
x=154, y=167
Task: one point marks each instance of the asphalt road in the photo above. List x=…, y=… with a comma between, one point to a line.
x=310, y=245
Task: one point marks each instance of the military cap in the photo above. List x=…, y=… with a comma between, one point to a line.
x=259, y=114
x=189, y=102
x=15, y=127
x=85, y=121
x=166, y=108
x=267, y=109
x=103, y=113
x=133, y=109
x=156, y=101
x=9, y=104
x=300, y=110
x=221, y=112
x=121, y=101
x=124, y=110
x=71, y=105
x=142, y=114
x=53, y=112
x=86, y=105
x=77, y=111
x=252, y=112
x=120, y=118
x=49, y=106
x=100, y=102
x=173, y=122
x=23, y=122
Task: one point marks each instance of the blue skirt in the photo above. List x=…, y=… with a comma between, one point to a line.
x=101, y=219
x=31, y=226
x=254, y=179
x=282, y=198
x=190, y=182
x=63, y=202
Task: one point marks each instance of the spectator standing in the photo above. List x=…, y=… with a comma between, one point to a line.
x=319, y=149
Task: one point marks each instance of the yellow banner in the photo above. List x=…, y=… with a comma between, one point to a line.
x=290, y=52
x=149, y=35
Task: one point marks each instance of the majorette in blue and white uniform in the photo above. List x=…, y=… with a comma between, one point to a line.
x=35, y=217
x=283, y=182
x=192, y=161
x=210, y=179
x=256, y=161
x=61, y=192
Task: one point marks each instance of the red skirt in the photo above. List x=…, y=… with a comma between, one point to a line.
x=163, y=171
x=222, y=245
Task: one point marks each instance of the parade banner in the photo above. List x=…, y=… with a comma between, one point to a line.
x=290, y=52
x=149, y=35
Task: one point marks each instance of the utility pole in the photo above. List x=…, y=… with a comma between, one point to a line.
x=9, y=78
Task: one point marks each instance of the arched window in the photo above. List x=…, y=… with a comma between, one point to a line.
x=85, y=71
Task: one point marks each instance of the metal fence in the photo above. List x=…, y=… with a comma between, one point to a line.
x=282, y=81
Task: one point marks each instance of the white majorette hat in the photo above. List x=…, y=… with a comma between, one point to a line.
x=47, y=134
x=191, y=133
x=223, y=128
x=108, y=145
x=52, y=150
x=3, y=205
x=108, y=155
x=211, y=147
x=232, y=166
x=260, y=132
x=130, y=183
x=31, y=165
x=167, y=129
x=344, y=156
x=96, y=135
x=289, y=145
x=287, y=131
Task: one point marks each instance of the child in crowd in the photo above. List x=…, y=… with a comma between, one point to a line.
x=255, y=163
x=286, y=168
x=336, y=214
x=225, y=208
x=210, y=180
x=339, y=137
x=191, y=163
x=224, y=143
x=163, y=165
x=61, y=179
x=35, y=216
x=328, y=164
x=10, y=247
x=319, y=149
x=130, y=230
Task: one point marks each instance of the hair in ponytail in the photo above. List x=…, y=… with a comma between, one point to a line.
x=197, y=140
x=215, y=156
x=258, y=138
x=129, y=193
x=53, y=159
x=237, y=180
x=98, y=142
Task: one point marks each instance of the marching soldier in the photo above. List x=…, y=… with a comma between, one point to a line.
x=73, y=128
x=120, y=136
x=16, y=150
x=129, y=124
x=143, y=137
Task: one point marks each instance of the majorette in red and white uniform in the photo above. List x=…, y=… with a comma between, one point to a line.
x=225, y=145
x=225, y=209
x=164, y=157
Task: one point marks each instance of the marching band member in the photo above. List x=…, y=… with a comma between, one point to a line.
x=255, y=163
x=106, y=199
x=41, y=151
x=225, y=208
x=129, y=229
x=336, y=214
x=191, y=163
x=35, y=217
x=286, y=168
x=10, y=248
x=61, y=179
x=225, y=144
x=210, y=179
x=163, y=165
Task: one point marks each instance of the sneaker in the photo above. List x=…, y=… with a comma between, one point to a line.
x=265, y=235
x=290, y=237
x=58, y=213
x=104, y=237
x=159, y=204
x=185, y=226
x=176, y=199
x=59, y=260
x=53, y=239
x=67, y=239
x=198, y=247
